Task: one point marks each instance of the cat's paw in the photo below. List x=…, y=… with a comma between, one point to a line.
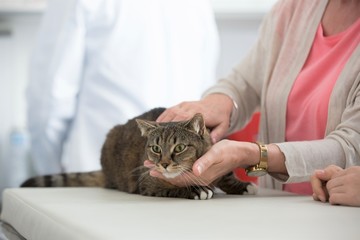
x=251, y=189
x=203, y=194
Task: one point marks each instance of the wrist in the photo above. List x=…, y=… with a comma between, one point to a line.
x=247, y=154
x=276, y=160
x=261, y=167
x=226, y=103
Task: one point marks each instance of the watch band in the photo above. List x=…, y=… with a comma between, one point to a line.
x=259, y=169
x=263, y=155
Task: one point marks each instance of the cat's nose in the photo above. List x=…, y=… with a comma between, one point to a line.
x=165, y=165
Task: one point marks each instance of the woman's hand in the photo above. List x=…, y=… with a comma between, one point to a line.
x=216, y=109
x=336, y=185
x=222, y=158
x=318, y=182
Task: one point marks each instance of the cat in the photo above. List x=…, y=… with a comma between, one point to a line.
x=172, y=147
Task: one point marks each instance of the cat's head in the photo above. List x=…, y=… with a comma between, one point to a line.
x=175, y=146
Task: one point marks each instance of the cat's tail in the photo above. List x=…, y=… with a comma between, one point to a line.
x=81, y=179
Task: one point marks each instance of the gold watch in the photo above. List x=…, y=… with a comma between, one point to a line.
x=259, y=169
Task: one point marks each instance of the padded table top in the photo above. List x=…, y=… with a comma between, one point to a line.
x=95, y=213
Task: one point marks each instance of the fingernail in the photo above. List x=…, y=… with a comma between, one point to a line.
x=322, y=198
x=200, y=169
x=153, y=173
x=214, y=140
x=319, y=172
x=314, y=196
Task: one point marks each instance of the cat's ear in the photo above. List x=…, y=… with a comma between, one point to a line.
x=197, y=124
x=146, y=126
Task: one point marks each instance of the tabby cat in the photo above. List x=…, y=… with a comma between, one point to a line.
x=172, y=146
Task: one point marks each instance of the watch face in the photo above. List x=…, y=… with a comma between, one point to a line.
x=257, y=173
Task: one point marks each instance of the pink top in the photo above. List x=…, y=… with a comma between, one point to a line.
x=307, y=107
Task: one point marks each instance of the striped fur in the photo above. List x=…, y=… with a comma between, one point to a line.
x=86, y=179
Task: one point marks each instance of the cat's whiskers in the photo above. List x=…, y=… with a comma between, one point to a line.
x=186, y=175
x=196, y=183
x=192, y=179
x=142, y=177
x=141, y=172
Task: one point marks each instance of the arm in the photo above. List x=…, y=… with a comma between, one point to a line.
x=294, y=161
x=55, y=76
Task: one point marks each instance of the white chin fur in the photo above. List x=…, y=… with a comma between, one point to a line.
x=171, y=175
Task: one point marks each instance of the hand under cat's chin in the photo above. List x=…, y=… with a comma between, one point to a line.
x=155, y=173
x=177, y=179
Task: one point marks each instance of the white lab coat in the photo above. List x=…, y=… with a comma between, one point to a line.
x=98, y=63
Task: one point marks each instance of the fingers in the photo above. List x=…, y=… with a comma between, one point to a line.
x=340, y=199
x=344, y=197
x=218, y=132
x=327, y=173
x=319, y=179
x=214, y=163
x=326, y=184
x=198, y=168
x=180, y=112
x=171, y=115
x=149, y=164
x=348, y=171
x=338, y=193
x=319, y=190
x=166, y=116
x=332, y=170
x=344, y=187
x=203, y=163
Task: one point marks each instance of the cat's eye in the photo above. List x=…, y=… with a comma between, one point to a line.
x=156, y=149
x=179, y=148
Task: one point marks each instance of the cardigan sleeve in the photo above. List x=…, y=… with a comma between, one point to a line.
x=341, y=145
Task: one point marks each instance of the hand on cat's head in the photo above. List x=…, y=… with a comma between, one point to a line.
x=216, y=109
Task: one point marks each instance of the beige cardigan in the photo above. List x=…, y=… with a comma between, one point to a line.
x=265, y=77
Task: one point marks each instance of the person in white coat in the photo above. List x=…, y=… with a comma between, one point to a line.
x=98, y=63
